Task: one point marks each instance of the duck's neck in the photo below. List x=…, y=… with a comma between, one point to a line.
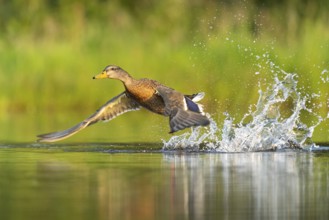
x=127, y=80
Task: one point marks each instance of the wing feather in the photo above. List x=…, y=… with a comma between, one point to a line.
x=111, y=109
x=182, y=111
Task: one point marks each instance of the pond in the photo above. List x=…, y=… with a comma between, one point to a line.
x=264, y=165
x=142, y=181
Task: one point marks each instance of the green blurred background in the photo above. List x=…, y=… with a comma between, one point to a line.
x=49, y=51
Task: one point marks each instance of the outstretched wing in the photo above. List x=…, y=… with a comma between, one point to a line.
x=111, y=109
x=182, y=111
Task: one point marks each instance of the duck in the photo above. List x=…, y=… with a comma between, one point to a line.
x=183, y=111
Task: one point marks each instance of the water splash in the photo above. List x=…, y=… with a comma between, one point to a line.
x=268, y=127
x=325, y=76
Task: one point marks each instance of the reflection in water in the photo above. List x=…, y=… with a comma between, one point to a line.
x=75, y=185
x=255, y=185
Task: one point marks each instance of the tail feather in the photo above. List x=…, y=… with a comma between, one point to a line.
x=196, y=97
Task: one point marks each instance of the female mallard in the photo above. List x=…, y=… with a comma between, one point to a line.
x=182, y=110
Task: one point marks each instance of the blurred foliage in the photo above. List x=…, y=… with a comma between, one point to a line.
x=49, y=51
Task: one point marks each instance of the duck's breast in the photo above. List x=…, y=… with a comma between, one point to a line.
x=144, y=93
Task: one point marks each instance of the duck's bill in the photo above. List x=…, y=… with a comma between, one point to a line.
x=100, y=76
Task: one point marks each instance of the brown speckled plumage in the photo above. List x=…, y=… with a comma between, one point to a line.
x=144, y=92
x=182, y=110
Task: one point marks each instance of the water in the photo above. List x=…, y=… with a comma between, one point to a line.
x=107, y=181
x=267, y=126
x=264, y=166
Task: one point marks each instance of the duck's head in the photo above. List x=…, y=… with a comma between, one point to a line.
x=112, y=72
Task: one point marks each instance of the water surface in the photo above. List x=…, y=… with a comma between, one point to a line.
x=140, y=181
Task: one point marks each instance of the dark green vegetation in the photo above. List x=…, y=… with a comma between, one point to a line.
x=49, y=51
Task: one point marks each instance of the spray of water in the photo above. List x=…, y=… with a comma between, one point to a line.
x=266, y=127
